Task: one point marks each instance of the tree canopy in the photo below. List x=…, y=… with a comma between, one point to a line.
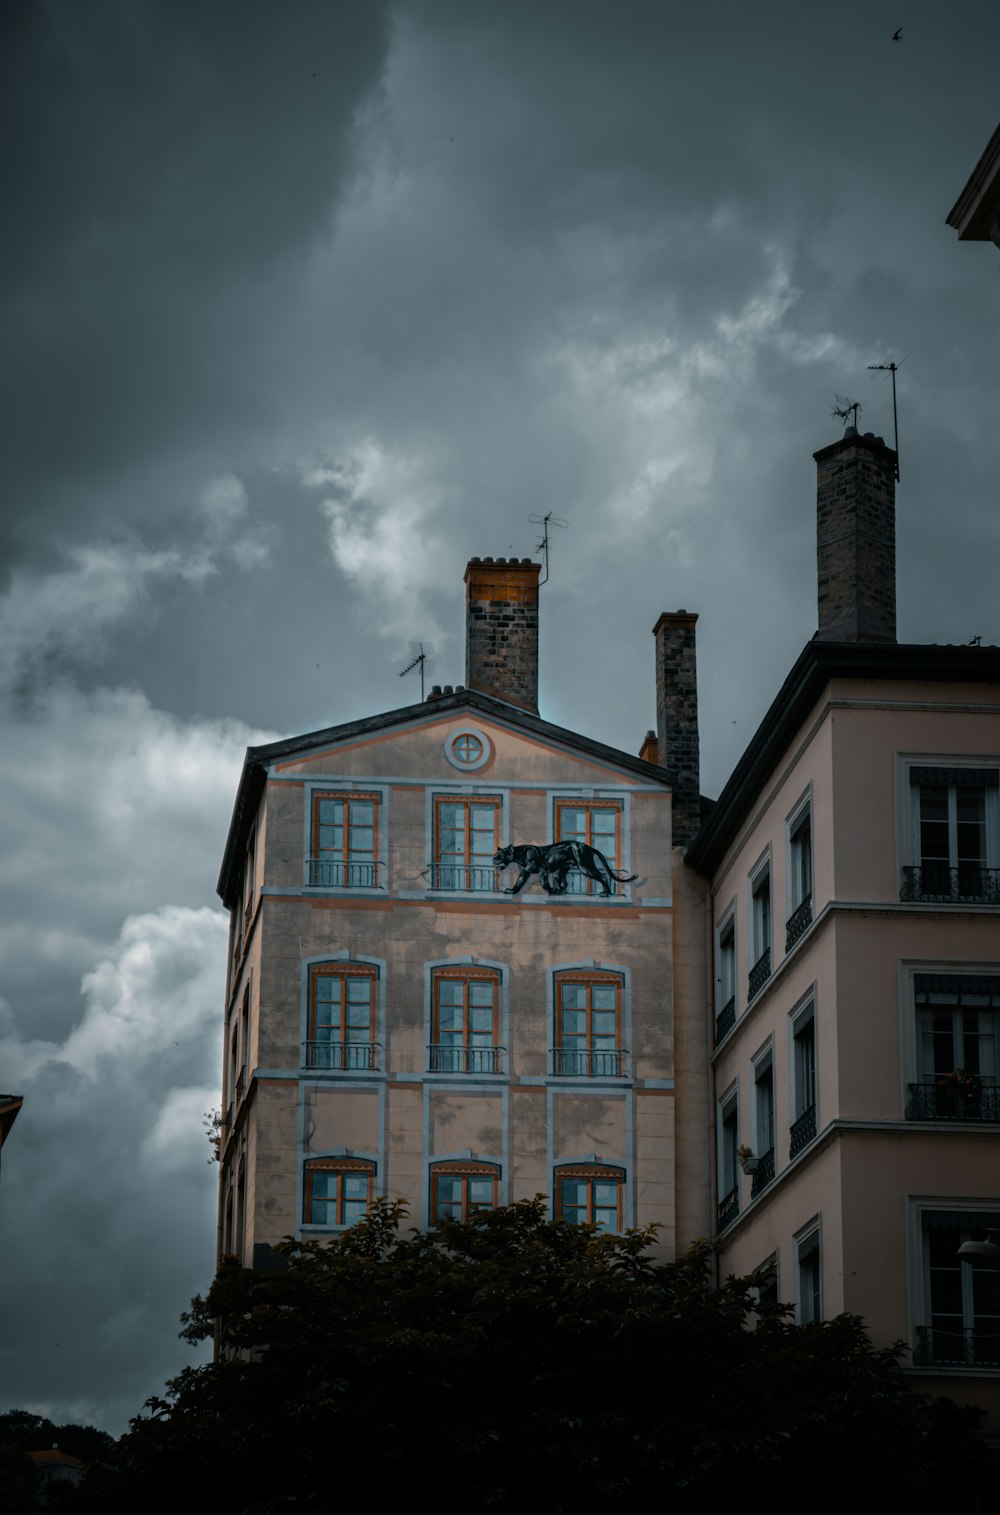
x=510, y=1363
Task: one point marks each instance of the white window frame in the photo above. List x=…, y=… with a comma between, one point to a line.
x=908, y=853
x=728, y=1105
x=914, y=1071
x=726, y=928
x=919, y=1270
x=803, y=1015
x=805, y=1242
x=760, y=875
x=762, y=1066
x=800, y=817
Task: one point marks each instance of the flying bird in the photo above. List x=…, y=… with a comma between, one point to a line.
x=897, y=35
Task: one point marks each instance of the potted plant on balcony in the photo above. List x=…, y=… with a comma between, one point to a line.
x=748, y=1162
x=959, y=1094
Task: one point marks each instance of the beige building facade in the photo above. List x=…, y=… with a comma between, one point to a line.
x=416, y=1010
x=854, y=863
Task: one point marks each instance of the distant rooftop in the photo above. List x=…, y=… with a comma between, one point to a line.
x=976, y=213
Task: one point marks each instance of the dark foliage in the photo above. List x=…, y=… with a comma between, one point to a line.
x=513, y=1364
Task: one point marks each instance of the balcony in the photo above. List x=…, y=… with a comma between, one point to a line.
x=477, y=879
x=725, y=1020
x=937, y=884
x=968, y=1348
x=334, y=873
x=585, y=1063
x=444, y=1059
x=729, y=1208
x=341, y=1057
x=802, y=1132
x=798, y=921
x=954, y=1098
x=760, y=972
x=764, y=1173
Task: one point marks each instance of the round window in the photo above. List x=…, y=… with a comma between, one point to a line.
x=467, y=748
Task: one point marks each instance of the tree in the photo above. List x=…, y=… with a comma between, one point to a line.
x=509, y=1363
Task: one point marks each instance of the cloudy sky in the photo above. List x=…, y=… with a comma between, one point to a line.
x=303, y=305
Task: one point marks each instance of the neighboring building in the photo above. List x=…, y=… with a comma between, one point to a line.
x=976, y=213
x=10, y=1105
x=54, y=1466
x=408, y=1016
x=854, y=860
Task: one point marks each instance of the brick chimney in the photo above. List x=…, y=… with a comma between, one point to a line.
x=677, y=719
x=501, y=629
x=856, y=539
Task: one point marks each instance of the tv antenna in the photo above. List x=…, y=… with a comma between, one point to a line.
x=845, y=408
x=890, y=368
x=543, y=546
x=420, y=655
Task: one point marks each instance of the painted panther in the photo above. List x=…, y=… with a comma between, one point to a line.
x=552, y=864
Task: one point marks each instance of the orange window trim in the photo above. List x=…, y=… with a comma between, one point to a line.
x=341, y=971
x=466, y=801
x=348, y=796
x=588, y=979
x=590, y=806
x=466, y=974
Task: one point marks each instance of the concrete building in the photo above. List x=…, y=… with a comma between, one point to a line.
x=854, y=868
x=451, y=960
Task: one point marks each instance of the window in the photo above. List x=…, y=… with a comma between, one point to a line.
x=458, y=1188
x=590, y=1196
x=809, y=1276
x=961, y=1303
x=766, y=1288
x=342, y=1017
x=338, y=1190
x=763, y=1099
x=466, y=835
x=598, y=824
x=800, y=887
x=467, y=748
x=588, y=1034
x=803, y=1127
x=345, y=841
x=729, y=1159
x=957, y=1026
x=725, y=1017
x=954, y=836
x=466, y=1021
x=760, y=928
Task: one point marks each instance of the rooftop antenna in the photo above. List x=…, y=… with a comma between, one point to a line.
x=543, y=546
x=890, y=368
x=420, y=655
x=844, y=408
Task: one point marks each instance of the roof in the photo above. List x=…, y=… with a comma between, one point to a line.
x=10, y=1104
x=51, y=1456
x=817, y=664
x=258, y=759
x=977, y=208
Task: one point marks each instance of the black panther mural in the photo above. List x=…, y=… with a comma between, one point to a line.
x=552, y=864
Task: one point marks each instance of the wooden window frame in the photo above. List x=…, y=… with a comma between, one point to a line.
x=463, y=1169
x=588, y=979
x=582, y=883
x=591, y=1174
x=341, y=1167
x=464, y=862
x=342, y=971
x=466, y=974
x=341, y=858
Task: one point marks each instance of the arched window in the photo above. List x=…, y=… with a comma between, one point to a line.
x=588, y=1028
x=465, y=1021
x=338, y=1190
x=592, y=1195
x=459, y=1187
x=342, y=998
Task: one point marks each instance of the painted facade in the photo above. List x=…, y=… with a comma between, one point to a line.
x=399, y=1024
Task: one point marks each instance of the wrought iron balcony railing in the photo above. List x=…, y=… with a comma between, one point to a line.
x=947, y=1098
x=760, y=972
x=341, y=1057
x=334, y=873
x=800, y=918
x=764, y=1173
x=444, y=1059
x=937, y=884
x=725, y=1020
x=968, y=1348
x=582, y=1062
x=802, y=1131
x=729, y=1208
x=478, y=879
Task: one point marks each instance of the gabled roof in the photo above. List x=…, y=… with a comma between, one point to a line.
x=817, y=664
x=258, y=759
x=10, y=1104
